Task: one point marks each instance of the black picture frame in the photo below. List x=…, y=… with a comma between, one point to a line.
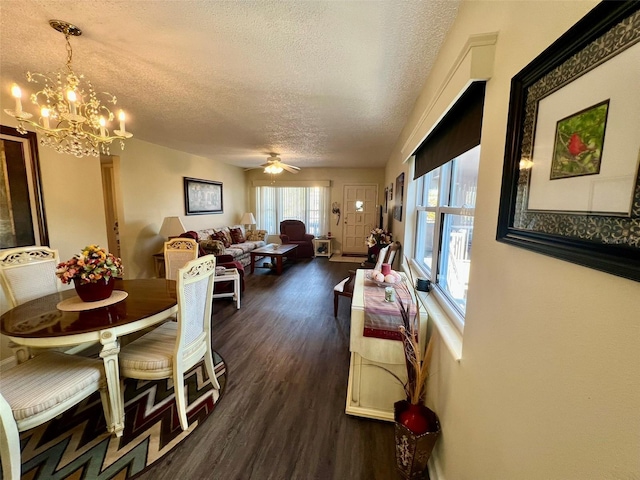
x=600, y=240
x=397, y=209
x=202, y=197
x=24, y=222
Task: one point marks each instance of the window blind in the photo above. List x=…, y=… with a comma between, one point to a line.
x=458, y=132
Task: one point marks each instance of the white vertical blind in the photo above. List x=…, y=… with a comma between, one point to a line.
x=307, y=204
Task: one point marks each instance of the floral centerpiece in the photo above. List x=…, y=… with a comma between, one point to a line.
x=378, y=236
x=377, y=239
x=93, y=266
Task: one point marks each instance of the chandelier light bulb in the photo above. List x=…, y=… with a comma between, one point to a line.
x=45, y=116
x=17, y=94
x=71, y=96
x=80, y=113
x=121, y=117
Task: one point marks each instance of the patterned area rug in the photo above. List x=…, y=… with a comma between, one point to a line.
x=76, y=445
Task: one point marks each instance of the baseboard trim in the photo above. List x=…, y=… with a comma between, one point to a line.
x=433, y=466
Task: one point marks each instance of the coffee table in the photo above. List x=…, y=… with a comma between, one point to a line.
x=276, y=252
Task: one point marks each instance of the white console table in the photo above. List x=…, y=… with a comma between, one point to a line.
x=371, y=391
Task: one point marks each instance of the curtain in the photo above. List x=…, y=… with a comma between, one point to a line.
x=307, y=204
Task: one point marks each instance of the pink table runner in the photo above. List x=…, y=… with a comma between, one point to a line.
x=382, y=319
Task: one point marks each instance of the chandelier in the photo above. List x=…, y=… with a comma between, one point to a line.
x=72, y=118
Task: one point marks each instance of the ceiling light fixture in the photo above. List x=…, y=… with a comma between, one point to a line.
x=273, y=169
x=72, y=118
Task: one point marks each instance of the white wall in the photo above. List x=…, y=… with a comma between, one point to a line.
x=547, y=387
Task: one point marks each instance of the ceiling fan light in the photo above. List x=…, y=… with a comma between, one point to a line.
x=273, y=169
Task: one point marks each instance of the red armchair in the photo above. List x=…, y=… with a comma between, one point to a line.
x=294, y=232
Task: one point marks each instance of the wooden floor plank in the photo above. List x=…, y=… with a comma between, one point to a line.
x=282, y=414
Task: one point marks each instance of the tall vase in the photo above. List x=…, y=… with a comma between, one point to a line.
x=414, y=449
x=94, y=292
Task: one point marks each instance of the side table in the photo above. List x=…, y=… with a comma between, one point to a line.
x=322, y=247
x=228, y=275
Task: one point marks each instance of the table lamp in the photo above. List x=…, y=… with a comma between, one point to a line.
x=248, y=219
x=172, y=227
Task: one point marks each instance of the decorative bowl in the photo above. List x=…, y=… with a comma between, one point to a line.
x=381, y=284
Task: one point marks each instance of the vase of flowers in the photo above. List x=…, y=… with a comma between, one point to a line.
x=377, y=239
x=92, y=271
x=416, y=427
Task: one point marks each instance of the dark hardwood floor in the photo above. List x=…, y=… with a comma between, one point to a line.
x=282, y=413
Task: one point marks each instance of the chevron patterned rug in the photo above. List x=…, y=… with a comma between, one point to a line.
x=76, y=445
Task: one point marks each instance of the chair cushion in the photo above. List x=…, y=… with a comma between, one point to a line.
x=340, y=287
x=236, y=235
x=152, y=351
x=29, y=392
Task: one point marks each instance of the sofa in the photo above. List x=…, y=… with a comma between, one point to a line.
x=232, y=241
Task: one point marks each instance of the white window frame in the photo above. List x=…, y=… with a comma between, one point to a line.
x=439, y=211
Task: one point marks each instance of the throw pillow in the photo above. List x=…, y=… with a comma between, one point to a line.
x=220, y=236
x=236, y=235
x=256, y=235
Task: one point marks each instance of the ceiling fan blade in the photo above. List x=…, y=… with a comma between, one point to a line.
x=290, y=168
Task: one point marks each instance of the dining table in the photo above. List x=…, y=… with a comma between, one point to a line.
x=62, y=320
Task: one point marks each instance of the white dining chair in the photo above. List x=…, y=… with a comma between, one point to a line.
x=27, y=273
x=174, y=347
x=34, y=392
x=177, y=253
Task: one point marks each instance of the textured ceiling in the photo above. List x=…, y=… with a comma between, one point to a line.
x=322, y=83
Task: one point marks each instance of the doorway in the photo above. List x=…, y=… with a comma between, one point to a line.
x=360, y=209
x=109, y=192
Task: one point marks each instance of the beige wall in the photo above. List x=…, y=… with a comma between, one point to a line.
x=151, y=181
x=547, y=387
x=339, y=177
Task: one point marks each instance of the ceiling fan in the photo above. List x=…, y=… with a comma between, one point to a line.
x=275, y=165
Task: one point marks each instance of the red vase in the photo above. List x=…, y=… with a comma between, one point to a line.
x=414, y=419
x=94, y=292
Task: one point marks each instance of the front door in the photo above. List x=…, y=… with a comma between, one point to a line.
x=360, y=211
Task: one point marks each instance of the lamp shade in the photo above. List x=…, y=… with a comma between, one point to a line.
x=248, y=219
x=171, y=227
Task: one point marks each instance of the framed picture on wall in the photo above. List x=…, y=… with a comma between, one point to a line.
x=202, y=197
x=397, y=209
x=22, y=216
x=571, y=179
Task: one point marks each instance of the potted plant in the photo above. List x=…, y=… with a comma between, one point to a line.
x=92, y=271
x=416, y=427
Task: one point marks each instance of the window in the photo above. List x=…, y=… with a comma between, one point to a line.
x=307, y=204
x=444, y=225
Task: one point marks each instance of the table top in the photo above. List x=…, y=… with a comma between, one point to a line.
x=40, y=318
x=269, y=250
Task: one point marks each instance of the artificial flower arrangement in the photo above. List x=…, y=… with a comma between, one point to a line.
x=92, y=265
x=378, y=236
